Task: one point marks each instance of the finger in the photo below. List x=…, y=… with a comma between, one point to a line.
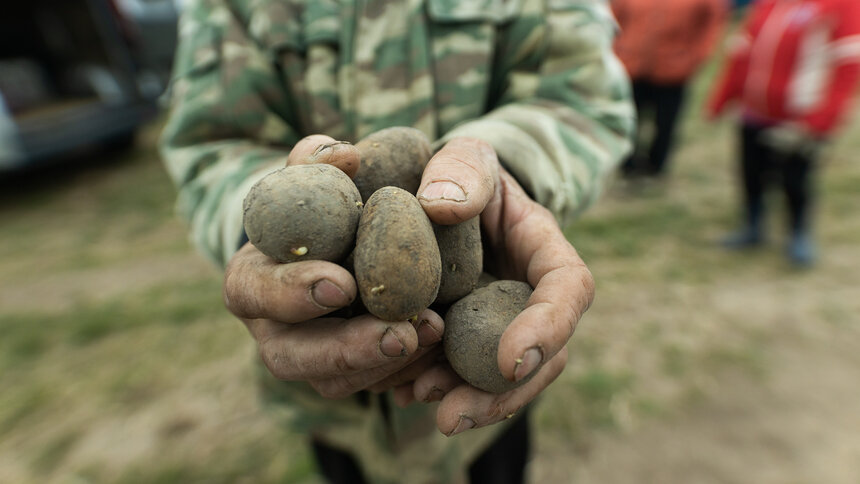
x=536, y=251
x=330, y=347
x=303, y=151
x=255, y=286
x=563, y=291
x=465, y=407
x=377, y=380
x=410, y=372
x=459, y=181
x=386, y=376
x=403, y=395
x=318, y=148
x=436, y=382
x=509, y=207
x=430, y=327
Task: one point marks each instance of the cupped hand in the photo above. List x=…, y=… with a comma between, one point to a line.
x=524, y=242
x=287, y=309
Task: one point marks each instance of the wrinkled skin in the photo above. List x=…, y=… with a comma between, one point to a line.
x=284, y=306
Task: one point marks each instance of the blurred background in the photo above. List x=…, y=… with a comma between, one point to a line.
x=118, y=362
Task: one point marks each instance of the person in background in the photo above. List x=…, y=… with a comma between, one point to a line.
x=662, y=44
x=529, y=111
x=792, y=71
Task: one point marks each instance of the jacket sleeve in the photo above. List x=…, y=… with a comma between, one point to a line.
x=563, y=116
x=845, y=57
x=228, y=124
x=730, y=82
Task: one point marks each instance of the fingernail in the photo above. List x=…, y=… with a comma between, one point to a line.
x=326, y=295
x=390, y=345
x=434, y=395
x=427, y=334
x=444, y=190
x=527, y=364
x=465, y=423
x=326, y=150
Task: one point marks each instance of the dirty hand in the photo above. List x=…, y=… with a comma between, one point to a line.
x=525, y=243
x=284, y=307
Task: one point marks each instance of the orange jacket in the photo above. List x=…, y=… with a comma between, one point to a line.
x=665, y=41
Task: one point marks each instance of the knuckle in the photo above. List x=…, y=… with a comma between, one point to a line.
x=341, y=361
x=334, y=388
x=228, y=290
x=323, y=388
x=588, y=284
x=503, y=409
x=236, y=290
x=275, y=362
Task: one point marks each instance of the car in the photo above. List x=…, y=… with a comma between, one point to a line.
x=79, y=73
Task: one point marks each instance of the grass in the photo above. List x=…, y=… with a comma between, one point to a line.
x=29, y=335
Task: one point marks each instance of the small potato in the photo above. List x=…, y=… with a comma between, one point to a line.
x=303, y=212
x=397, y=262
x=473, y=328
x=462, y=258
x=392, y=157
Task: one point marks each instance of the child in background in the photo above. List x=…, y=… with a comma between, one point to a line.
x=662, y=44
x=792, y=71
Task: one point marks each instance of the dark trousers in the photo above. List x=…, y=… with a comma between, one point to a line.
x=762, y=166
x=503, y=462
x=658, y=105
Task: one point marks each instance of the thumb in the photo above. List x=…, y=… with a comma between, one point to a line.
x=319, y=148
x=459, y=181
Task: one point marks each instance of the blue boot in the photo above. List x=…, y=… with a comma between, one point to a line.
x=746, y=238
x=801, y=250
x=752, y=234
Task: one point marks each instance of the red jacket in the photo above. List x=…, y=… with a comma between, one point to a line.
x=665, y=41
x=795, y=60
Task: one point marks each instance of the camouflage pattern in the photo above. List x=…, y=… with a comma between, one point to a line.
x=537, y=79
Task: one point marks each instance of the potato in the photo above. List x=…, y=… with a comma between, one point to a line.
x=462, y=258
x=485, y=279
x=392, y=157
x=397, y=262
x=303, y=212
x=473, y=328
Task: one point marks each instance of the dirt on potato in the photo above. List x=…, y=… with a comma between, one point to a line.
x=392, y=157
x=473, y=328
x=462, y=259
x=397, y=261
x=303, y=212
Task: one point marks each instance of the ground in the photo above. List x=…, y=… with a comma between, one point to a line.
x=119, y=364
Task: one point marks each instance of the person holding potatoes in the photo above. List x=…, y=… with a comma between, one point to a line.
x=524, y=109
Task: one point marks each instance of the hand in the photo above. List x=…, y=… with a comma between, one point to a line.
x=284, y=307
x=525, y=243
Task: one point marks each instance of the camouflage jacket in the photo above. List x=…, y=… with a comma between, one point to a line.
x=537, y=79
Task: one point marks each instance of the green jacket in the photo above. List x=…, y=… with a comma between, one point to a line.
x=537, y=79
